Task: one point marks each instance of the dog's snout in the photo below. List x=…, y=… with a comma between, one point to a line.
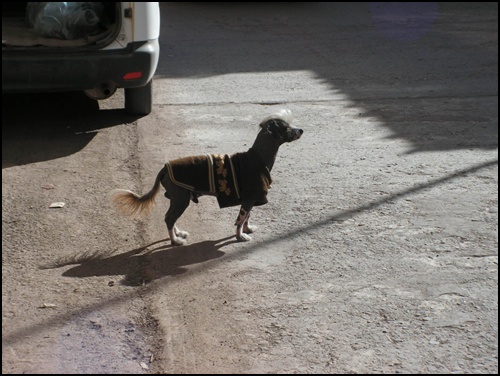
x=297, y=133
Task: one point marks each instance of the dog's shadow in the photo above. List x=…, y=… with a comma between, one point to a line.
x=143, y=265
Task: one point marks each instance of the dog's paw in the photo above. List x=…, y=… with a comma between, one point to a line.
x=243, y=238
x=178, y=241
x=249, y=229
x=182, y=234
x=179, y=233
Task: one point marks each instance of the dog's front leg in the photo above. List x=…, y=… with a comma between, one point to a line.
x=247, y=229
x=242, y=222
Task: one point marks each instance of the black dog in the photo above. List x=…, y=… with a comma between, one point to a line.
x=241, y=178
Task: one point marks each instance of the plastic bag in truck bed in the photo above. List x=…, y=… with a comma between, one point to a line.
x=64, y=20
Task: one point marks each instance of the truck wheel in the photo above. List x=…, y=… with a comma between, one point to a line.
x=139, y=100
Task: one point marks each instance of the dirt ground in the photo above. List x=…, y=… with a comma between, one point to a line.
x=377, y=251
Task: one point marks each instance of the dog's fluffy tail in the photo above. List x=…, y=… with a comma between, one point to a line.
x=131, y=204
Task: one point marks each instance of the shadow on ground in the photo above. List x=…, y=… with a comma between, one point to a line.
x=143, y=265
x=42, y=127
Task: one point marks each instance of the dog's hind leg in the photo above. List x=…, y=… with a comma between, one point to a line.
x=177, y=207
x=242, y=220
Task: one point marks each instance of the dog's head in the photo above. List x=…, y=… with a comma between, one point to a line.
x=278, y=125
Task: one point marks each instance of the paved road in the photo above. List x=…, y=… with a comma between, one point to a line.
x=376, y=253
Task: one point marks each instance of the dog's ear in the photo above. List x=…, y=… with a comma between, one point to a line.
x=264, y=125
x=272, y=127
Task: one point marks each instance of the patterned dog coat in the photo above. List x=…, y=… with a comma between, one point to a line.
x=231, y=178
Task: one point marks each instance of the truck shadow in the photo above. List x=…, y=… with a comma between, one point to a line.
x=39, y=128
